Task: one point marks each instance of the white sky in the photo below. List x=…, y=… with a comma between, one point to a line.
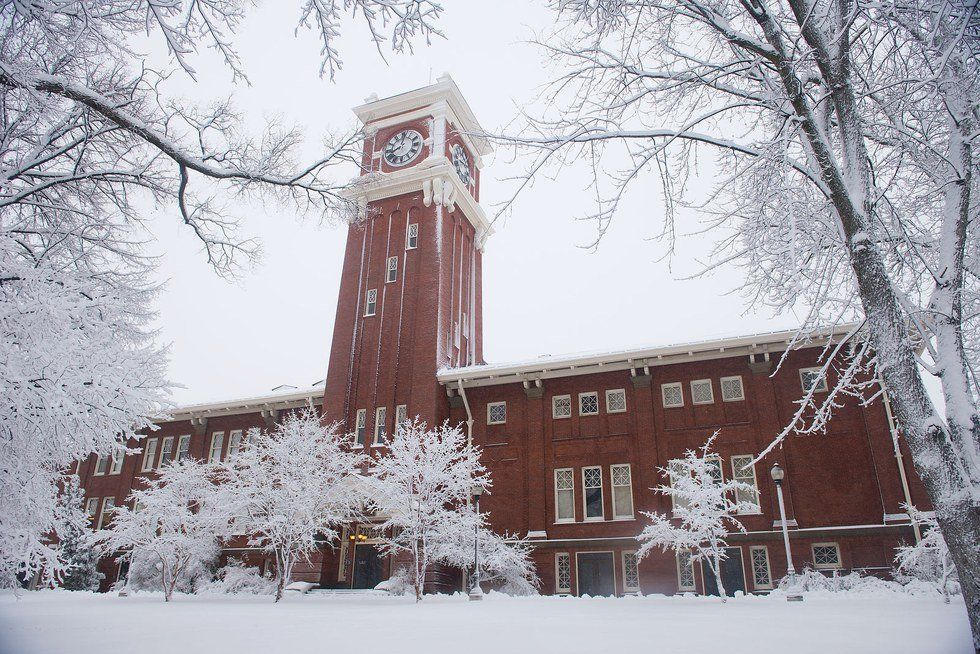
x=543, y=293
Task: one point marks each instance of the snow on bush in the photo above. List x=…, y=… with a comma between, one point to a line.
x=928, y=560
x=237, y=578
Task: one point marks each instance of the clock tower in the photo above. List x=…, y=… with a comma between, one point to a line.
x=410, y=293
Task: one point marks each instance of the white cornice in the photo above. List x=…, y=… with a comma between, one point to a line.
x=378, y=186
x=278, y=401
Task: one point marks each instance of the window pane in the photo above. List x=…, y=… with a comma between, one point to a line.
x=743, y=471
x=731, y=389
x=701, y=392
x=760, y=567
x=685, y=571
x=673, y=395
x=622, y=492
x=566, y=505
x=588, y=404
x=593, y=503
x=563, y=573
x=616, y=401
x=561, y=406
x=631, y=572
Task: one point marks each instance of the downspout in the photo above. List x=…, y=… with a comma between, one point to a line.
x=899, y=459
x=469, y=414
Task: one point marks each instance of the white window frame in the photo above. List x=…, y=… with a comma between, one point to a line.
x=711, y=391
x=401, y=415
x=371, y=302
x=741, y=387
x=694, y=575
x=182, y=451
x=821, y=387
x=663, y=394
x=755, y=582
x=92, y=508
x=554, y=406
x=101, y=465
x=558, y=518
x=149, y=454
x=559, y=589
x=111, y=502
x=585, y=496
x=380, y=428
x=613, y=487
x=231, y=439
x=116, y=462
x=360, y=428
x=412, y=236
x=494, y=405
x=636, y=562
x=582, y=396
x=612, y=391
x=164, y=443
x=824, y=566
x=217, y=441
x=391, y=272
x=745, y=478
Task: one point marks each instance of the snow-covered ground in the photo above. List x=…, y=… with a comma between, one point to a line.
x=53, y=622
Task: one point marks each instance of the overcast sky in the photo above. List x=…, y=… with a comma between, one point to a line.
x=543, y=292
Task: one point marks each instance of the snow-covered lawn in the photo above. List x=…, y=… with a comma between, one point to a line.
x=53, y=622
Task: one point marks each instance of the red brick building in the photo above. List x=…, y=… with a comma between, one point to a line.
x=574, y=444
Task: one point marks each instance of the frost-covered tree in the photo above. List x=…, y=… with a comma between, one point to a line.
x=292, y=488
x=80, y=558
x=845, y=187
x=88, y=138
x=172, y=525
x=928, y=559
x=705, y=511
x=421, y=486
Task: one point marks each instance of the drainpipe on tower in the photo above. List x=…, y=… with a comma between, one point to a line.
x=469, y=414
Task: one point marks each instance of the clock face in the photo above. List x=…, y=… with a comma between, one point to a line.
x=403, y=147
x=461, y=162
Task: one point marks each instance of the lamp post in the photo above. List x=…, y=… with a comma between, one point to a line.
x=476, y=593
x=792, y=593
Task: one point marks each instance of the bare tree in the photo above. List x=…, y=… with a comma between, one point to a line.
x=844, y=132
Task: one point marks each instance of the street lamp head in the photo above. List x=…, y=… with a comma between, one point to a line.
x=476, y=491
x=778, y=474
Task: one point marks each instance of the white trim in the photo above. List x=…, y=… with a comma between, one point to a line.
x=613, y=487
x=100, y=462
x=554, y=415
x=149, y=454
x=621, y=391
x=821, y=387
x=494, y=405
x=755, y=584
x=563, y=590
x=585, y=495
x=824, y=566
x=559, y=520
x=623, y=555
x=584, y=395
x=663, y=394
x=116, y=462
x=741, y=388
x=711, y=392
x=612, y=555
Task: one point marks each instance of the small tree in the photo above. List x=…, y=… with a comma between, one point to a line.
x=292, y=488
x=174, y=523
x=929, y=559
x=80, y=557
x=705, y=511
x=422, y=485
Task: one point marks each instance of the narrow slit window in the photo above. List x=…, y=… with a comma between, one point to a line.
x=361, y=425
x=563, y=573
x=380, y=417
x=392, y=273
x=371, y=305
x=412, y=240
x=401, y=416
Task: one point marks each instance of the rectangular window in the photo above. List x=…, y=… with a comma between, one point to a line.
x=361, y=425
x=392, y=273
x=401, y=415
x=731, y=389
x=564, y=495
x=166, y=450
x=673, y=395
x=676, y=470
x=117, y=463
x=592, y=493
x=685, y=571
x=812, y=378
x=100, y=464
x=563, y=573
x=106, y=514
x=616, y=401
x=372, y=302
x=588, y=404
x=744, y=471
x=701, y=392
x=714, y=468
x=496, y=413
x=561, y=406
x=234, y=443
x=826, y=556
x=183, y=447
x=631, y=572
x=217, y=441
x=412, y=240
x=622, y=491
x=380, y=417
x=91, y=507
x=761, y=574
x=149, y=454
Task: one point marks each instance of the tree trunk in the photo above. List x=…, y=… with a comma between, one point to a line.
x=716, y=569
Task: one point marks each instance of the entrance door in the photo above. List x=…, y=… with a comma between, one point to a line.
x=368, y=567
x=732, y=573
x=595, y=573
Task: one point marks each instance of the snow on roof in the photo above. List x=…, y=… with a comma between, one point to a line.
x=282, y=397
x=590, y=362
